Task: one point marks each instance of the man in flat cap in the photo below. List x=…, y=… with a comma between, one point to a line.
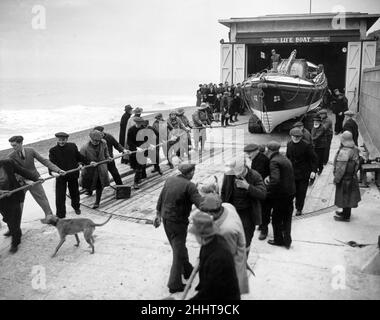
x=260, y=163
x=319, y=137
x=244, y=189
x=136, y=113
x=217, y=273
x=304, y=161
x=186, y=122
x=112, y=143
x=351, y=125
x=201, y=121
x=25, y=157
x=173, y=208
x=280, y=192
x=161, y=126
x=339, y=105
x=136, y=158
x=123, y=125
x=329, y=132
x=66, y=156
x=306, y=134
x=231, y=228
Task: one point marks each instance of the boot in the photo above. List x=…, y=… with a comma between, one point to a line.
x=263, y=233
x=7, y=234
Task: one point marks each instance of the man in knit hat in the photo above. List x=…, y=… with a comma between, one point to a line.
x=173, y=209
x=304, y=161
x=280, y=193
x=231, y=228
x=217, y=273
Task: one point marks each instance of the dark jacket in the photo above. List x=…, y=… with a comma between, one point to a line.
x=90, y=175
x=339, y=104
x=10, y=167
x=303, y=159
x=346, y=165
x=281, y=182
x=225, y=105
x=261, y=164
x=123, y=126
x=352, y=126
x=133, y=142
x=217, y=273
x=112, y=143
x=67, y=158
x=254, y=194
x=319, y=137
x=200, y=118
x=176, y=199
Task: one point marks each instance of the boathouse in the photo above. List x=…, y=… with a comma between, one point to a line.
x=339, y=41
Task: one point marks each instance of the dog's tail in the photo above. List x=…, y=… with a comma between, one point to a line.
x=102, y=224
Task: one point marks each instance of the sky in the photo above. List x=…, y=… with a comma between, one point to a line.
x=131, y=39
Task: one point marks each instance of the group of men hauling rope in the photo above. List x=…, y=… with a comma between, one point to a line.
x=261, y=185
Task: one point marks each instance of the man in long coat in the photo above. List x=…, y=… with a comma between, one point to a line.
x=244, y=189
x=217, y=273
x=96, y=177
x=304, y=161
x=281, y=190
x=319, y=137
x=173, y=208
x=231, y=228
x=351, y=125
x=339, y=105
x=123, y=123
x=66, y=156
x=329, y=132
x=10, y=206
x=346, y=165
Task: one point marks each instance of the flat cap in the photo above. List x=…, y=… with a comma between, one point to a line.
x=211, y=202
x=185, y=168
x=138, y=119
x=128, y=107
x=96, y=135
x=203, y=225
x=298, y=124
x=99, y=128
x=296, y=132
x=251, y=147
x=181, y=111
x=61, y=135
x=273, y=145
x=158, y=115
x=203, y=106
x=317, y=117
x=322, y=111
x=17, y=139
x=349, y=113
x=138, y=110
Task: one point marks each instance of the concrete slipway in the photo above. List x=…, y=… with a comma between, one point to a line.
x=132, y=260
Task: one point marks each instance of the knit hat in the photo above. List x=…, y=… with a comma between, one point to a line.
x=99, y=128
x=296, y=132
x=128, y=107
x=211, y=202
x=138, y=110
x=346, y=139
x=138, y=120
x=180, y=111
x=158, y=116
x=96, y=135
x=203, y=225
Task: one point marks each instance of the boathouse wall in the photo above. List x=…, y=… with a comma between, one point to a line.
x=369, y=110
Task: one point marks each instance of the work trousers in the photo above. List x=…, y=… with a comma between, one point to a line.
x=301, y=190
x=347, y=213
x=224, y=120
x=265, y=215
x=114, y=172
x=199, y=134
x=38, y=193
x=327, y=150
x=61, y=185
x=12, y=217
x=282, y=219
x=176, y=233
x=338, y=123
x=320, y=152
x=248, y=224
x=140, y=173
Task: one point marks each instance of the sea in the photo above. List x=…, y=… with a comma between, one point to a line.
x=37, y=108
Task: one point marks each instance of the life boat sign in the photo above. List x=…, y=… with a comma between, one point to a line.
x=303, y=39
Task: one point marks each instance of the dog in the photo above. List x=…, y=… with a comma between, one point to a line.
x=208, y=187
x=73, y=227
